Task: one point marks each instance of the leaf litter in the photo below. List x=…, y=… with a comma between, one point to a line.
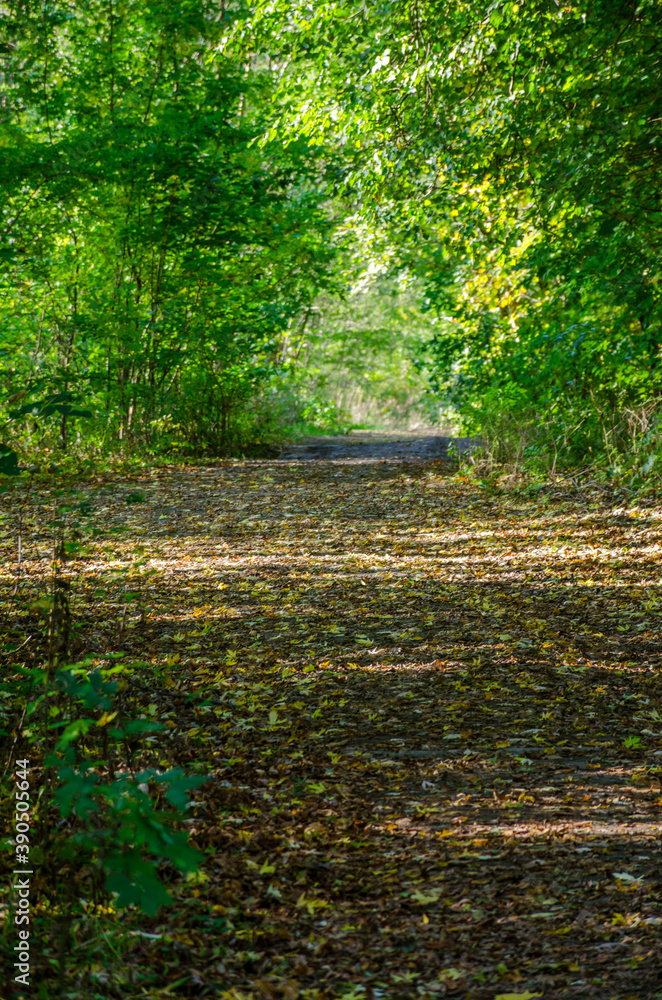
x=430, y=716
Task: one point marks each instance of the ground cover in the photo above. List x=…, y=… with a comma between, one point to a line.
x=430, y=716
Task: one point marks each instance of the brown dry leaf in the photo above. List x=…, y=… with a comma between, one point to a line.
x=409, y=694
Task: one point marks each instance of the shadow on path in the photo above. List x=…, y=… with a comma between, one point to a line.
x=366, y=446
x=432, y=717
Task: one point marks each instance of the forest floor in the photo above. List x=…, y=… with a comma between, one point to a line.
x=430, y=714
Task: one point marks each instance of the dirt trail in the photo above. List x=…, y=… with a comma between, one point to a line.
x=371, y=446
x=432, y=719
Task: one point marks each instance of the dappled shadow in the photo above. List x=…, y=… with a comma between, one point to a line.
x=430, y=712
x=373, y=447
x=460, y=849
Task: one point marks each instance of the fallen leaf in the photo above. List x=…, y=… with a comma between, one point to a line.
x=517, y=996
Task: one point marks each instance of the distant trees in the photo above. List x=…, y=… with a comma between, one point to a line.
x=510, y=155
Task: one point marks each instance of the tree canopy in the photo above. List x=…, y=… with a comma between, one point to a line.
x=182, y=183
x=509, y=155
x=152, y=257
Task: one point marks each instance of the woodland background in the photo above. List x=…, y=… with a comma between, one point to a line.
x=225, y=224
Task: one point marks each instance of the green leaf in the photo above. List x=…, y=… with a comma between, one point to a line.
x=135, y=882
x=8, y=461
x=79, y=727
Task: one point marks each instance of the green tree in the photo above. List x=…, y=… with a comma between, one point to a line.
x=510, y=154
x=151, y=255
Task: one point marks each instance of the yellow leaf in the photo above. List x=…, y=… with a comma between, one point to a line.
x=17, y=397
x=431, y=896
x=311, y=904
x=517, y=996
x=425, y=919
x=273, y=717
x=106, y=718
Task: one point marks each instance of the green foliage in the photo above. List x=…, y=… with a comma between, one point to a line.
x=189, y=189
x=152, y=256
x=8, y=461
x=59, y=402
x=119, y=829
x=124, y=826
x=117, y=825
x=366, y=354
x=508, y=155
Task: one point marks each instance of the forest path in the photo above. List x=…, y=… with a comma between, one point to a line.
x=432, y=717
x=371, y=446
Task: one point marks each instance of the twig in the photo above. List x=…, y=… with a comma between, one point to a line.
x=18, y=730
x=121, y=628
x=19, y=558
x=12, y=651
